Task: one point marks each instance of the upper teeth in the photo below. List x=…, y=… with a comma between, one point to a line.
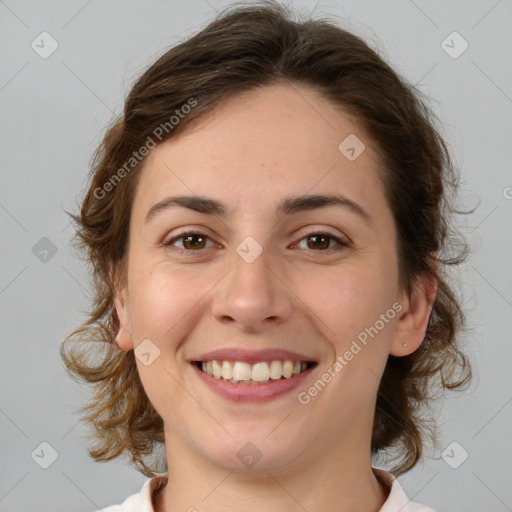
x=259, y=372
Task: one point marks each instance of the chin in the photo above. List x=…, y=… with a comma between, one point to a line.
x=254, y=453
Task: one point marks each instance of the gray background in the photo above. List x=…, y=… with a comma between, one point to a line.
x=53, y=114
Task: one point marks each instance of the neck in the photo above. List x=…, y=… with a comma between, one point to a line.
x=326, y=482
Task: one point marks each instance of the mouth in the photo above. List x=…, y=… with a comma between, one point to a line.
x=259, y=373
x=261, y=381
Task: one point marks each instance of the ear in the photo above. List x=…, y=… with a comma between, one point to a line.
x=124, y=338
x=412, y=325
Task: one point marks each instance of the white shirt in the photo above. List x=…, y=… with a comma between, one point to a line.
x=396, y=501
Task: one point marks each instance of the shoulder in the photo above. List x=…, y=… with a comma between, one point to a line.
x=397, y=500
x=141, y=501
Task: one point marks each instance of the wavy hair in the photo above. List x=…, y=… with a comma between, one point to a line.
x=244, y=47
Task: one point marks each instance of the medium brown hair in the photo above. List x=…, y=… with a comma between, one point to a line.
x=246, y=47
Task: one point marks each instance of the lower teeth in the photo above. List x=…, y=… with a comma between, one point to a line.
x=251, y=382
x=233, y=381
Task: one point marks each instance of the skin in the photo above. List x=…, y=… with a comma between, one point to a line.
x=255, y=150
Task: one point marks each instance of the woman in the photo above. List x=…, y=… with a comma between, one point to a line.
x=266, y=225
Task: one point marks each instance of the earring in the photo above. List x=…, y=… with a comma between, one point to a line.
x=405, y=345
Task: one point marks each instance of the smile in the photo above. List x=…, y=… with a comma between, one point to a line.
x=262, y=372
x=230, y=379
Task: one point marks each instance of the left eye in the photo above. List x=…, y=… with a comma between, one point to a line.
x=196, y=240
x=319, y=240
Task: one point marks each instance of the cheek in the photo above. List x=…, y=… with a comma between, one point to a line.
x=162, y=298
x=346, y=303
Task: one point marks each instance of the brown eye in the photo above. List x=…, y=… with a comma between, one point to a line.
x=195, y=242
x=320, y=242
x=191, y=241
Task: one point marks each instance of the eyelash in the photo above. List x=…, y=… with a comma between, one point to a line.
x=342, y=243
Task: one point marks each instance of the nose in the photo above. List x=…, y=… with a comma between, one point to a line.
x=253, y=296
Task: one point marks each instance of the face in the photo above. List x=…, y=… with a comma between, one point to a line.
x=308, y=280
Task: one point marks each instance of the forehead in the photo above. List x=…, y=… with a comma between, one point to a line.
x=262, y=145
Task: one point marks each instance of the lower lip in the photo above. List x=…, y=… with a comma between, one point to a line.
x=253, y=392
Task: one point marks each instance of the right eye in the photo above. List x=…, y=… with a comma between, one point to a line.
x=193, y=239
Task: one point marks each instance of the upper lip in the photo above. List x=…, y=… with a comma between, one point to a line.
x=252, y=356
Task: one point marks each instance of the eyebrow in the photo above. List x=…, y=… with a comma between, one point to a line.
x=288, y=206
